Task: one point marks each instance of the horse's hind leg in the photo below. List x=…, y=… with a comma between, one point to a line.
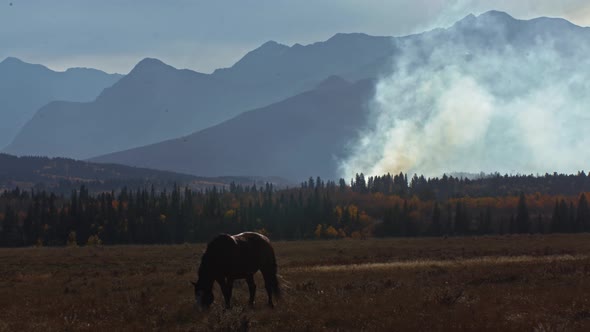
x=251, y=288
x=269, y=285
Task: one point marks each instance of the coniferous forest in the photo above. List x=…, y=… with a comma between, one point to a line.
x=381, y=206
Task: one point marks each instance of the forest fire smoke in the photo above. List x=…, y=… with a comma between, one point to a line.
x=459, y=108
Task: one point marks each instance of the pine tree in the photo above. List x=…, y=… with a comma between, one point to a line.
x=436, y=225
x=556, y=219
x=522, y=215
x=583, y=215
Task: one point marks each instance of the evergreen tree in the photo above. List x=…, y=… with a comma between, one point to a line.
x=583, y=215
x=522, y=215
x=436, y=222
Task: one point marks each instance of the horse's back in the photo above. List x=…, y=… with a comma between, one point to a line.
x=255, y=251
x=252, y=236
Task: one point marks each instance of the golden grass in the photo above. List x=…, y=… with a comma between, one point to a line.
x=514, y=283
x=466, y=263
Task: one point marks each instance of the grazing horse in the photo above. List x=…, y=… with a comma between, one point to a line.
x=231, y=257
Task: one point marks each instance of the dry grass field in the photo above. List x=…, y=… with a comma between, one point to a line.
x=520, y=283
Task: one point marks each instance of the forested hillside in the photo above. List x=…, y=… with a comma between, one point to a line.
x=62, y=175
x=365, y=207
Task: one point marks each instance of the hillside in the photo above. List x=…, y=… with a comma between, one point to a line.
x=164, y=118
x=64, y=174
x=156, y=102
x=314, y=132
x=299, y=137
x=25, y=87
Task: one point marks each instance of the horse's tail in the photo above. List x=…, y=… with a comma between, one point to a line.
x=274, y=281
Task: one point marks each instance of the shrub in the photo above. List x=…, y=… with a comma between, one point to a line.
x=93, y=240
x=72, y=239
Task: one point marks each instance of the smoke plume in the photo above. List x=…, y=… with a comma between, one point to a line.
x=486, y=95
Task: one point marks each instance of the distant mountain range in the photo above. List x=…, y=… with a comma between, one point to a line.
x=280, y=110
x=156, y=102
x=308, y=134
x=24, y=88
x=295, y=138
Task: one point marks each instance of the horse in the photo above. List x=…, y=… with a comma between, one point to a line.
x=231, y=257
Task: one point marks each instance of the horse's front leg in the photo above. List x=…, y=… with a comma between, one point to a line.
x=251, y=288
x=227, y=286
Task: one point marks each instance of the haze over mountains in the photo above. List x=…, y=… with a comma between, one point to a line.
x=302, y=135
x=155, y=102
x=322, y=109
x=25, y=87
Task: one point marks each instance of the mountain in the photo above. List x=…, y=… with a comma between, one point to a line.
x=25, y=87
x=310, y=133
x=156, y=102
x=63, y=175
x=301, y=136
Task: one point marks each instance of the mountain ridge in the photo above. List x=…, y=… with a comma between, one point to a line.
x=26, y=87
x=156, y=102
x=477, y=34
x=165, y=103
x=284, y=139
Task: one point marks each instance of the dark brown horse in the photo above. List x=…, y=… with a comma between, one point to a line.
x=231, y=257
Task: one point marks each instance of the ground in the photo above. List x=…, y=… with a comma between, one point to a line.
x=520, y=283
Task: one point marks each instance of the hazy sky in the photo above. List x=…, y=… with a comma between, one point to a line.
x=114, y=35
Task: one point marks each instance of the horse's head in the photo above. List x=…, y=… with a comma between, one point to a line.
x=203, y=293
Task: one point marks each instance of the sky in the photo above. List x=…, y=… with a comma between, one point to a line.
x=113, y=35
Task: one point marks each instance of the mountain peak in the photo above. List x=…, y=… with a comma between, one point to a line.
x=496, y=15
x=467, y=19
x=12, y=61
x=271, y=47
x=344, y=37
x=150, y=64
x=487, y=19
x=260, y=55
x=271, y=44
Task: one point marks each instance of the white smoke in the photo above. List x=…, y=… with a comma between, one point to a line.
x=452, y=107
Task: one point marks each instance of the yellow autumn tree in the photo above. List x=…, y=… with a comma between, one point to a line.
x=72, y=239
x=229, y=214
x=338, y=213
x=331, y=232
x=318, y=231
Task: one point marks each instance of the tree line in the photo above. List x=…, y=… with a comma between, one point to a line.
x=388, y=205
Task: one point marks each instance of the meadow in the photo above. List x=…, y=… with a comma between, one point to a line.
x=518, y=282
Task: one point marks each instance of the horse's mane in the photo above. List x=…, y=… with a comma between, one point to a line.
x=220, y=241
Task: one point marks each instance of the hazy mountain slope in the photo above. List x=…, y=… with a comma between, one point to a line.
x=65, y=174
x=156, y=102
x=150, y=103
x=298, y=137
x=305, y=135
x=25, y=87
x=39, y=169
x=275, y=66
